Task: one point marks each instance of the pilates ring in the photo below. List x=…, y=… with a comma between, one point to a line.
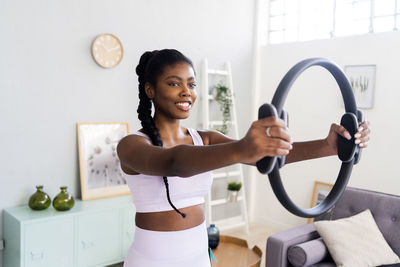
x=348, y=152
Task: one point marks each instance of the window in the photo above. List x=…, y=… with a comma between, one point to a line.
x=301, y=20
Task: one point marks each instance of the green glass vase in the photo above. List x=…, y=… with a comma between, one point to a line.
x=39, y=200
x=64, y=200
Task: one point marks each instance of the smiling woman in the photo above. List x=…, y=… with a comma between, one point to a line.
x=167, y=79
x=168, y=167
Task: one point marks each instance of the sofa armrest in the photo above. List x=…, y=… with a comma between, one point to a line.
x=279, y=243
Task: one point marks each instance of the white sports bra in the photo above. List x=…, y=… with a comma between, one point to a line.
x=149, y=194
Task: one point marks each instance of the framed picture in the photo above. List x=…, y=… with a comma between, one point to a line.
x=320, y=192
x=100, y=170
x=362, y=80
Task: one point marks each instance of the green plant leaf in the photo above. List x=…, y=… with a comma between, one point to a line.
x=224, y=98
x=234, y=186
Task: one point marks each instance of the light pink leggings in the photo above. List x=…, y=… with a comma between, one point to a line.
x=185, y=248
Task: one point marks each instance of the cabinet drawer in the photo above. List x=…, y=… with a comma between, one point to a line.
x=98, y=239
x=49, y=243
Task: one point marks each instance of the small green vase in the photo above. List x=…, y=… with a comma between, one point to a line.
x=64, y=200
x=39, y=200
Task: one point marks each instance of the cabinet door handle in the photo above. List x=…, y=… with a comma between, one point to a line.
x=87, y=245
x=35, y=256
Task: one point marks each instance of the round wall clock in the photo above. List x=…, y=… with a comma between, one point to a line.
x=107, y=50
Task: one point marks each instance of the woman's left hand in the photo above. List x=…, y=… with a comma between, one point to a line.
x=361, y=136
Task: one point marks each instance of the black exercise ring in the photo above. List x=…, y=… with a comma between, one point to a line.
x=348, y=152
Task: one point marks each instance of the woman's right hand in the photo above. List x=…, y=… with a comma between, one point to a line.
x=257, y=144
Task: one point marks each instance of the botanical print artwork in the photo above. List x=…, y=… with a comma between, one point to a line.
x=362, y=80
x=359, y=84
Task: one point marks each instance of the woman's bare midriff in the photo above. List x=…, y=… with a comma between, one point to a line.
x=168, y=220
x=171, y=220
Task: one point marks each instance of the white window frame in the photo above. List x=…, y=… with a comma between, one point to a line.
x=395, y=15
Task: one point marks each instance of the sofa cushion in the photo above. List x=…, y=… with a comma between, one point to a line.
x=307, y=253
x=385, y=208
x=356, y=241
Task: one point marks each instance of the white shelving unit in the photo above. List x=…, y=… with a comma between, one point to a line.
x=224, y=214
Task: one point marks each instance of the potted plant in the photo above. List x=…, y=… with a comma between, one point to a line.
x=224, y=98
x=233, y=190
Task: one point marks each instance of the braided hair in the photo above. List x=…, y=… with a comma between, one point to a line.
x=151, y=66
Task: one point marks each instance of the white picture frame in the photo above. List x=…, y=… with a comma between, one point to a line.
x=362, y=80
x=100, y=169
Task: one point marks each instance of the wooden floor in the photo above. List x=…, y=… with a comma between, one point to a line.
x=258, y=234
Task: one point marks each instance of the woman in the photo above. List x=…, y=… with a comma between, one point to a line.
x=170, y=226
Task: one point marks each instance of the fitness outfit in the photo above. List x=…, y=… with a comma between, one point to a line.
x=181, y=248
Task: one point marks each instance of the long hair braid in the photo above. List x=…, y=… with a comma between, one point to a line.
x=151, y=65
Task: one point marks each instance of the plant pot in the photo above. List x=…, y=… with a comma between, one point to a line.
x=232, y=195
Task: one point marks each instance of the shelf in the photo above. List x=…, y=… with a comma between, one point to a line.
x=218, y=72
x=223, y=201
x=213, y=123
x=211, y=97
x=225, y=174
x=229, y=217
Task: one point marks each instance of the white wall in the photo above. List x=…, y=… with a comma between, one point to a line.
x=49, y=81
x=314, y=102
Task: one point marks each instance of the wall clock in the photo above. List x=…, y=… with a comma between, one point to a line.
x=107, y=50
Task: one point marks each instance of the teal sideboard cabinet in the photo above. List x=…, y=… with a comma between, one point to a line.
x=93, y=233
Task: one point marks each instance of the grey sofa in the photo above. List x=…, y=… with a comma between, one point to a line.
x=384, y=207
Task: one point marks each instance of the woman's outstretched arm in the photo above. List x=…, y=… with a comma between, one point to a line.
x=140, y=155
x=328, y=146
